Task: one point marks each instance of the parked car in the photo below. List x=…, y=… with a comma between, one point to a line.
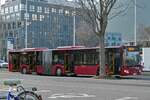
x=3, y=64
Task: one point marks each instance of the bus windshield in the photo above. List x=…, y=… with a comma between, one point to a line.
x=133, y=58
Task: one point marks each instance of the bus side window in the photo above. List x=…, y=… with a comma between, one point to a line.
x=55, y=59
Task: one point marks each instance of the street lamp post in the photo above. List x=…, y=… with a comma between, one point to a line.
x=74, y=25
x=135, y=40
x=26, y=34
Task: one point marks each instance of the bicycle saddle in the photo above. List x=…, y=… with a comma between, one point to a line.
x=12, y=82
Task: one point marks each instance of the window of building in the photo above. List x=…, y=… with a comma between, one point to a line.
x=46, y=10
x=73, y=13
x=66, y=12
x=32, y=8
x=13, y=25
x=16, y=8
x=34, y=17
x=17, y=15
x=41, y=17
x=11, y=9
x=6, y=10
x=28, y=23
x=9, y=26
x=60, y=11
x=26, y=15
x=22, y=6
x=8, y=17
x=12, y=16
x=3, y=18
x=39, y=9
x=54, y=10
x=2, y=11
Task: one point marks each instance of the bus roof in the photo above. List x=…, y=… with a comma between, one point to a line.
x=81, y=48
x=28, y=49
x=63, y=48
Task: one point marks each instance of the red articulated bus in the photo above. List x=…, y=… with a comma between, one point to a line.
x=75, y=60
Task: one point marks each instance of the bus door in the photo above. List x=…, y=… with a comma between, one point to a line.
x=47, y=62
x=28, y=61
x=31, y=61
x=25, y=62
x=68, y=62
x=110, y=55
x=39, y=62
x=114, y=59
x=118, y=61
x=14, y=61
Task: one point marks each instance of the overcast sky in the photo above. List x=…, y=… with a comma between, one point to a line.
x=125, y=24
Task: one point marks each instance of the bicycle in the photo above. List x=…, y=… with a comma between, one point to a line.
x=22, y=94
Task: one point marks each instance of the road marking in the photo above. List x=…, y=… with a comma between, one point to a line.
x=128, y=98
x=70, y=95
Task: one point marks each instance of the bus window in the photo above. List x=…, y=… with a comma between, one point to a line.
x=58, y=58
x=89, y=58
x=55, y=58
x=39, y=58
x=86, y=58
x=96, y=59
x=133, y=58
x=79, y=58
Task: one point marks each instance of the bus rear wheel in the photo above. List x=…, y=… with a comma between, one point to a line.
x=58, y=72
x=24, y=71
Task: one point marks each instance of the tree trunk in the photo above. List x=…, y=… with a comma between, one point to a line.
x=102, y=57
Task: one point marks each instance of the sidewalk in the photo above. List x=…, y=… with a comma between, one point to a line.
x=125, y=82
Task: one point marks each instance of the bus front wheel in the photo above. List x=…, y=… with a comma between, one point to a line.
x=58, y=72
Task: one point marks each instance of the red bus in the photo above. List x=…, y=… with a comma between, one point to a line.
x=76, y=60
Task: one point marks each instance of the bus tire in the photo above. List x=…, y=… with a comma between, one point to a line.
x=24, y=71
x=58, y=72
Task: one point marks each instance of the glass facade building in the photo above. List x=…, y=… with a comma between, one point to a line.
x=47, y=24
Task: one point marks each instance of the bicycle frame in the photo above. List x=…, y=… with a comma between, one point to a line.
x=21, y=93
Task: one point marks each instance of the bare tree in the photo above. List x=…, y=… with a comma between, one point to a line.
x=97, y=13
x=143, y=33
x=143, y=36
x=147, y=30
x=84, y=35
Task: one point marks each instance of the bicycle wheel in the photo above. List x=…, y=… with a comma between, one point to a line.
x=28, y=95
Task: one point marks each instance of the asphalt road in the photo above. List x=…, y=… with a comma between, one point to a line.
x=82, y=88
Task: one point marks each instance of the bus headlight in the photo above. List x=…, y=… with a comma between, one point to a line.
x=126, y=71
